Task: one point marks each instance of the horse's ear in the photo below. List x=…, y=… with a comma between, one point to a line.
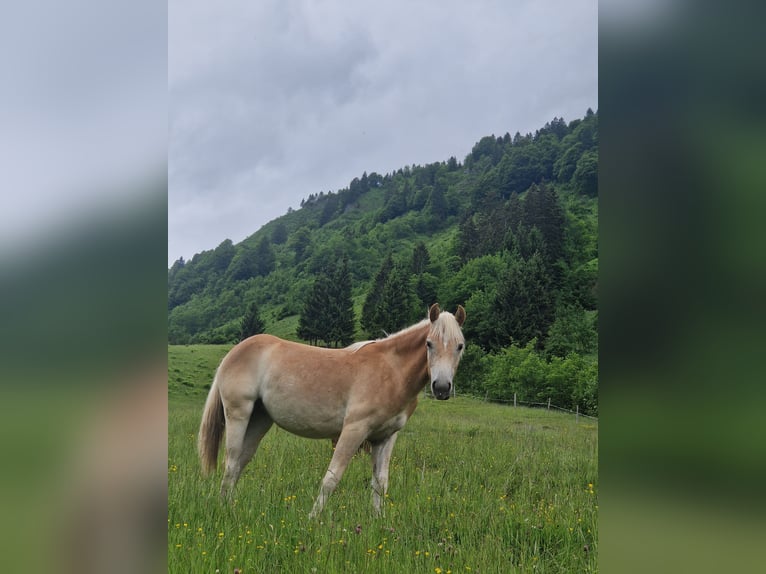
x=460, y=315
x=433, y=312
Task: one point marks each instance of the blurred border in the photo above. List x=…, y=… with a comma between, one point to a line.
x=682, y=180
x=83, y=280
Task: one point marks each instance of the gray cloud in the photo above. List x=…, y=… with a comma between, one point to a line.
x=272, y=101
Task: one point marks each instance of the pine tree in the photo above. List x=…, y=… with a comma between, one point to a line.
x=311, y=324
x=467, y=244
x=341, y=306
x=371, y=311
x=525, y=302
x=251, y=324
x=397, y=306
x=425, y=290
x=421, y=259
x=542, y=211
x=328, y=314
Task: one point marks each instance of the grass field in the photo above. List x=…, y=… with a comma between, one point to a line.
x=474, y=487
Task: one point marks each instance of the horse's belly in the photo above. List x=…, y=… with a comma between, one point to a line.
x=300, y=428
x=306, y=419
x=389, y=427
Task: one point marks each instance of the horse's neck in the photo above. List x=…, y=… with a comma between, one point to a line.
x=410, y=351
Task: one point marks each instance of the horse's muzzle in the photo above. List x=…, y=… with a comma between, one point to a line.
x=441, y=389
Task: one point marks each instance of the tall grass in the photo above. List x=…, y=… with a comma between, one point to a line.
x=474, y=487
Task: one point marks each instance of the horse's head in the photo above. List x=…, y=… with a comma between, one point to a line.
x=445, y=345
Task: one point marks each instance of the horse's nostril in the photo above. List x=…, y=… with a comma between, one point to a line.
x=441, y=387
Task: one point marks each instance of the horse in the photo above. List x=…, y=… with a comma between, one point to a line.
x=366, y=391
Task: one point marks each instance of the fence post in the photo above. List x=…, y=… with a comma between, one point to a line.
x=486, y=396
x=514, y=399
x=549, y=403
x=577, y=413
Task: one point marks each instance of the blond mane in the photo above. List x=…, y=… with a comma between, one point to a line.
x=442, y=328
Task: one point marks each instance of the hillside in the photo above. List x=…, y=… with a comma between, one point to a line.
x=510, y=232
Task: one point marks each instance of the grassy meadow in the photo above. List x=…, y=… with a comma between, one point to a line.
x=474, y=488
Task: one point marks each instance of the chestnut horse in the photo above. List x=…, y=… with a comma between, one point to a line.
x=366, y=391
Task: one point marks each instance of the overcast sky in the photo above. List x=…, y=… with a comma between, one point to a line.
x=273, y=100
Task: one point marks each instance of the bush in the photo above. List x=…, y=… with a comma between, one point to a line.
x=569, y=382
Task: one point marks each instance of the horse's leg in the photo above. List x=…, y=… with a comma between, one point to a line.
x=381, y=456
x=237, y=422
x=259, y=425
x=350, y=439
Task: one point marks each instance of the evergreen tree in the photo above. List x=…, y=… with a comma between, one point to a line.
x=493, y=229
x=468, y=243
x=312, y=323
x=397, y=307
x=421, y=259
x=372, y=321
x=541, y=209
x=341, y=307
x=328, y=314
x=251, y=324
x=425, y=290
x=525, y=302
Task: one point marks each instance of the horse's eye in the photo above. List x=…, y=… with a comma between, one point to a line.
x=429, y=344
x=460, y=346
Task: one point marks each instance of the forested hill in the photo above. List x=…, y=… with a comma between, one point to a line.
x=510, y=233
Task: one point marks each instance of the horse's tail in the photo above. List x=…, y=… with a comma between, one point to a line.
x=211, y=429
